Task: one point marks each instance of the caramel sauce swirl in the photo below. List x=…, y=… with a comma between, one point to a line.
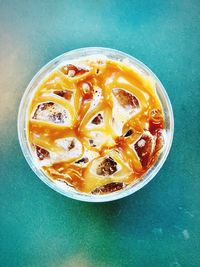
x=95, y=125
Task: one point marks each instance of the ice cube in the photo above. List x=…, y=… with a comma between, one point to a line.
x=70, y=148
x=67, y=94
x=126, y=99
x=52, y=112
x=145, y=147
x=107, y=167
x=71, y=70
x=87, y=157
x=41, y=153
x=108, y=188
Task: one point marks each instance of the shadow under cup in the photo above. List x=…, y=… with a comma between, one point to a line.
x=113, y=55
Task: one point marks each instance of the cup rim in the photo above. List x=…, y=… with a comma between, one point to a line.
x=130, y=189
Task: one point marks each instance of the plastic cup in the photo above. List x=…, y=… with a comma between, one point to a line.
x=117, y=56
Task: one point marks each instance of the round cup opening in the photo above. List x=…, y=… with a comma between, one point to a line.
x=117, y=56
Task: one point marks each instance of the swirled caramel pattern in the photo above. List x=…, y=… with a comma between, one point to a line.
x=96, y=125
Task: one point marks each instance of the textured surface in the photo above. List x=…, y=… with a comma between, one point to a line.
x=160, y=224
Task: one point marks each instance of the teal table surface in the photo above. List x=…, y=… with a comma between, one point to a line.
x=160, y=224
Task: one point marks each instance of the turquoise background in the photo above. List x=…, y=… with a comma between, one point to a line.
x=160, y=224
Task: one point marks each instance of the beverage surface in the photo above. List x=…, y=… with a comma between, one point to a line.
x=96, y=125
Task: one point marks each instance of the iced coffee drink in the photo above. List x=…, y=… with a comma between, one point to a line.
x=95, y=125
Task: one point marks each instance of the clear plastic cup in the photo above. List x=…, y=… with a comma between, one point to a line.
x=117, y=56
